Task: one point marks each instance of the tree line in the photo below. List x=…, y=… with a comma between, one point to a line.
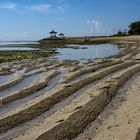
x=134, y=29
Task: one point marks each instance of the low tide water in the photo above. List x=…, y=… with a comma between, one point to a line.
x=3, y=43
x=17, y=45
x=72, y=52
x=87, y=52
x=17, y=48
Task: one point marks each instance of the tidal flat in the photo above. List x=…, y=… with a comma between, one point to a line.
x=46, y=97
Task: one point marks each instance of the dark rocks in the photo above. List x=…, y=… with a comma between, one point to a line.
x=138, y=135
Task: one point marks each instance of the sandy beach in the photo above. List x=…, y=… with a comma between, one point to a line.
x=120, y=120
x=48, y=99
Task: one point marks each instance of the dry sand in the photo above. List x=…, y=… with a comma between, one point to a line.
x=119, y=39
x=121, y=118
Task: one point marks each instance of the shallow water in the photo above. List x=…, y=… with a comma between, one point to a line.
x=21, y=85
x=87, y=52
x=78, y=52
x=17, y=42
x=17, y=45
x=17, y=48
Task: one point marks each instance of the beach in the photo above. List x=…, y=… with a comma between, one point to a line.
x=43, y=98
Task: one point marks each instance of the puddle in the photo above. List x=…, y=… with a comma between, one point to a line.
x=23, y=84
x=87, y=52
x=74, y=52
x=6, y=78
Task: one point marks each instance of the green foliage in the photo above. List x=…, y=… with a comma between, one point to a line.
x=134, y=28
x=120, y=34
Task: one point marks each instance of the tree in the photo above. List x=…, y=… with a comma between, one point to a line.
x=120, y=33
x=134, y=28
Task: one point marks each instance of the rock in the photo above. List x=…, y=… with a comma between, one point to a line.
x=138, y=135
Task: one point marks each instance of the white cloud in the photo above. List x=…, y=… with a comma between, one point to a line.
x=43, y=7
x=95, y=26
x=61, y=9
x=98, y=25
x=39, y=8
x=88, y=21
x=61, y=6
x=10, y=6
x=47, y=8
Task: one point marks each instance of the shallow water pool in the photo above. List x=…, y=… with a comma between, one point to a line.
x=87, y=52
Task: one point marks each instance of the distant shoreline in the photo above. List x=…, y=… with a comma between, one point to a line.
x=92, y=40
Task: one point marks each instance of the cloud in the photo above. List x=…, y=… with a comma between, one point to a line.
x=47, y=8
x=95, y=26
x=44, y=7
x=61, y=9
x=10, y=6
x=39, y=8
x=62, y=6
x=98, y=25
x=88, y=21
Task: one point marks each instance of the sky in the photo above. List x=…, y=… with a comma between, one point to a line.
x=34, y=19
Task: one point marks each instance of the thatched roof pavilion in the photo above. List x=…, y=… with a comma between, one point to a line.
x=61, y=35
x=53, y=34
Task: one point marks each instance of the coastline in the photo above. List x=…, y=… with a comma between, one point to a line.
x=92, y=40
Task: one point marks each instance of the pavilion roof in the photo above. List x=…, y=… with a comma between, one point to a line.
x=53, y=32
x=61, y=34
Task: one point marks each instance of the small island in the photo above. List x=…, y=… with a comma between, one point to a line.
x=61, y=39
x=53, y=39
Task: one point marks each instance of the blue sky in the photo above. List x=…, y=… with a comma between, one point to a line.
x=33, y=19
